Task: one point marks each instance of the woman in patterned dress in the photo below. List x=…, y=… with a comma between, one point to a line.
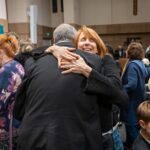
x=11, y=75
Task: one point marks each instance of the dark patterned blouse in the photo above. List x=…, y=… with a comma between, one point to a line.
x=11, y=75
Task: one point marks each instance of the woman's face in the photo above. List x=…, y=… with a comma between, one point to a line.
x=87, y=44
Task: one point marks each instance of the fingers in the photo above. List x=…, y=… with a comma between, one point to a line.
x=66, y=66
x=62, y=62
x=55, y=48
x=71, y=49
x=65, y=63
x=66, y=71
x=68, y=57
x=76, y=56
x=59, y=62
x=48, y=50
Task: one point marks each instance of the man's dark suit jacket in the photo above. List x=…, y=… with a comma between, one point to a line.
x=59, y=115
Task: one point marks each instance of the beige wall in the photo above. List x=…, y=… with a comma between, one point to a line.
x=56, y=18
x=17, y=11
x=71, y=11
x=103, y=12
x=3, y=14
x=95, y=12
x=122, y=11
x=44, y=11
x=18, y=17
x=88, y=12
x=113, y=19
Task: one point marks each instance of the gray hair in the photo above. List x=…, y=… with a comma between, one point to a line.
x=64, y=32
x=26, y=45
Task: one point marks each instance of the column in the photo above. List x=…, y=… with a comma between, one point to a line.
x=71, y=10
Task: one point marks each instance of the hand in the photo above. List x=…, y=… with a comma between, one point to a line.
x=76, y=66
x=61, y=52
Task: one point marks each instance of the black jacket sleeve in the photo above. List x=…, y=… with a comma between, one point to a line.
x=107, y=83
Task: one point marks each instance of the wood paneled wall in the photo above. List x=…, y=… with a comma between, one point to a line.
x=113, y=34
x=118, y=33
x=23, y=30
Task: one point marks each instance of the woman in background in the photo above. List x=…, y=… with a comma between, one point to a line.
x=11, y=75
x=133, y=80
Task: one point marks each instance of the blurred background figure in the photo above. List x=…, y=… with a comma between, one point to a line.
x=11, y=75
x=24, y=53
x=26, y=46
x=119, y=52
x=133, y=80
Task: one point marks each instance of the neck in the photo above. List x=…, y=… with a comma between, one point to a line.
x=145, y=135
x=5, y=60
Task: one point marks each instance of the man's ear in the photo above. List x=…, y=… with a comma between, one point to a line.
x=142, y=124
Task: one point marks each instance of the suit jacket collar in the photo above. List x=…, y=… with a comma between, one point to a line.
x=65, y=43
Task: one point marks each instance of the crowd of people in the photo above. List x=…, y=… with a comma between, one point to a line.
x=72, y=95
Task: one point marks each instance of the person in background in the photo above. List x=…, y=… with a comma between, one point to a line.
x=110, y=49
x=119, y=52
x=147, y=65
x=142, y=142
x=117, y=140
x=147, y=53
x=25, y=51
x=133, y=80
x=11, y=75
x=89, y=41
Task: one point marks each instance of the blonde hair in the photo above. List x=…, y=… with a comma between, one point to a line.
x=143, y=111
x=9, y=44
x=26, y=46
x=101, y=48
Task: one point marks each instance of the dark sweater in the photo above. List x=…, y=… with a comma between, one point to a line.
x=140, y=144
x=108, y=86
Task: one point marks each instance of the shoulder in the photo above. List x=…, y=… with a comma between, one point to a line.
x=136, y=63
x=140, y=144
x=13, y=65
x=36, y=53
x=39, y=50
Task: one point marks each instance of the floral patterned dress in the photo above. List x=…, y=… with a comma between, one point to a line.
x=11, y=75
